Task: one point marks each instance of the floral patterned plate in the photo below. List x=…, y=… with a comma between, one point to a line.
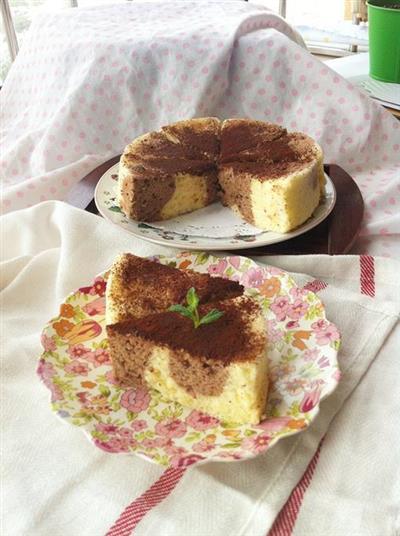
x=212, y=228
x=76, y=368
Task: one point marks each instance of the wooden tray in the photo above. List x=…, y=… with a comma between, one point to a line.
x=333, y=236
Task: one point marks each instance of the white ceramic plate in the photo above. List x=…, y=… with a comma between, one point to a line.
x=303, y=370
x=198, y=230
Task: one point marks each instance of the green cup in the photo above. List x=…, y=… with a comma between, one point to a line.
x=384, y=40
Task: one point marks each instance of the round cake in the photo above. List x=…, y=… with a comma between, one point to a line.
x=272, y=178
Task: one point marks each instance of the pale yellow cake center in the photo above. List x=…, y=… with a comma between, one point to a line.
x=190, y=194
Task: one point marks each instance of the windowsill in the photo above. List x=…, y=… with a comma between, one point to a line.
x=324, y=58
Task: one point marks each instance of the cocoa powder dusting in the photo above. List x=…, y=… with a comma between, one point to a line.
x=226, y=340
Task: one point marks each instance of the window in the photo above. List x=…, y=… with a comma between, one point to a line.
x=327, y=27
x=333, y=28
x=17, y=16
x=5, y=56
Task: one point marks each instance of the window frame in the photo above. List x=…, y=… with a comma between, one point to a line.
x=13, y=47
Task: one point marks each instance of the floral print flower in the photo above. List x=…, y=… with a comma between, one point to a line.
x=96, y=307
x=115, y=444
x=78, y=351
x=111, y=378
x=48, y=343
x=155, y=443
x=79, y=368
x=124, y=432
x=135, y=400
x=279, y=307
x=96, y=405
x=274, y=424
x=235, y=261
x=310, y=399
x=323, y=362
x=311, y=355
x=256, y=443
x=107, y=428
x=273, y=334
x=219, y=268
x=56, y=392
x=280, y=371
x=254, y=277
x=99, y=357
x=45, y=369
x=67, y=310
x=138, y=425
x=201, y=421
x=320, y=325
x=203, y=446
x=171, y=428
x=270, y=287
x=292, y=324
x=325, y=332
x=295, y=386
x=62, y=327
x=297, y=292
x=297, y=309
x=99, y=287
x=173, y=450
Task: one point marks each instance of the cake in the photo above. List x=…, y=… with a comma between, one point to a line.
x=271, y=178
x=220, y=368
x=137, y=287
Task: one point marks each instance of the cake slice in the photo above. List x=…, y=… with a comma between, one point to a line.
x=220, y=368
x=170, y=172
x=273, y=179
x=137, y=287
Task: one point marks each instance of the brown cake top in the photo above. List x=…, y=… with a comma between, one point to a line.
x=202, y=134
x=199, y=145
x=242, y=135
x=131, y=269
x=229, y=339
x=184, y=147
x=287, y=153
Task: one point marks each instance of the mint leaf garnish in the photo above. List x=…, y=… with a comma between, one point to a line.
x=192, y=299
x=211, y=316
x=181, y=310
x=191, y=311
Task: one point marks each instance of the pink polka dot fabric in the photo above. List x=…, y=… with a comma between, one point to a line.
x=89, y=80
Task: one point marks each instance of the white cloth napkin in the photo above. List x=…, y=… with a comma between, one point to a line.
x=89, y=80
x=55, y=482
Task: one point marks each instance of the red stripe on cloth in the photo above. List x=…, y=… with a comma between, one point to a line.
x=135, y=512
x=315, y=286
x=367, y=275
x=284, y=523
